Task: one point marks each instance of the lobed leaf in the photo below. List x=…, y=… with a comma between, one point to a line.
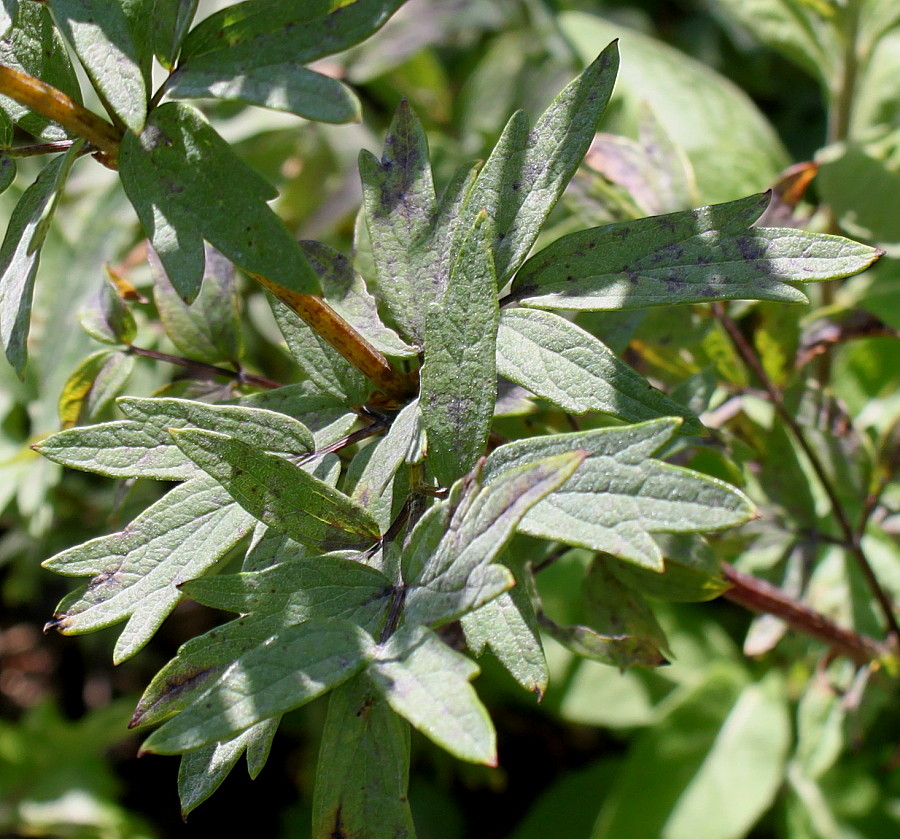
x=136, y=573
x=459, y=374
x=278, y=493
x=447, y=563
x=301, y=589
x=528, y=170
x=620, y=495
x=707, y=254
x=400, y=205
x=254, y=52
x=427, y=683
x=210, y=328
x=509, y=626
x=141, y=446
x=292, y=667
x=559, y=361
x=363, y=769
x=98, y=31
x=20, y=254
x=187, y=185
x=202, y=770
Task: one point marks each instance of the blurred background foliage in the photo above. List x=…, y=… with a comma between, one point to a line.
x=753, y=730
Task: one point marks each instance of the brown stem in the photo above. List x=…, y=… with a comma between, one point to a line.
x=40, y=148
x=52, y=103
x=760, y=596
x=328, y=324
x=211, y=369
x=852, y=541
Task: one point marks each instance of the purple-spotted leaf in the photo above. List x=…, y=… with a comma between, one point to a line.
x=528, y=169
x=278, y=493
x=283, y=671
x=459, y=374
x=363, y=768
x=136, y=572
x=620, y=494
x=448, y=563
x=712, y=253
x=187, y=185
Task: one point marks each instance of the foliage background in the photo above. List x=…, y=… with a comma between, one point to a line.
x=818, y=741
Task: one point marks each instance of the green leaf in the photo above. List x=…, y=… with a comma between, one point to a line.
x=346, y=291
x=107, y=318
x=7, y=171
x=620, y=495
x=614, y=608
x=278, y=493
x=326, y=368
x=388, y=455
x=93, y=385
x=325, y=415
x=141, y=446
x=616, y=650
x=363, y=769
x=301, y=589
x=448, y=561
x=265, y=430
x=693, y=573
x=459, y=374
x=559, y=361
x=718, y=738
x=427, y=683
x=8, y=13
x=707, y=254
x=284, y=671
x=254, y=52
x=187, y=185
x=210, y=329
x=136, y=573
x=400, y=204
x=528, y=170
x=509, y=626
x=20, y=254
x=99, y=32
x=201, y=771
x=35, y=47
x=171, y=21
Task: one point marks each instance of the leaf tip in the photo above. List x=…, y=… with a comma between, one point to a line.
x=54, y=623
